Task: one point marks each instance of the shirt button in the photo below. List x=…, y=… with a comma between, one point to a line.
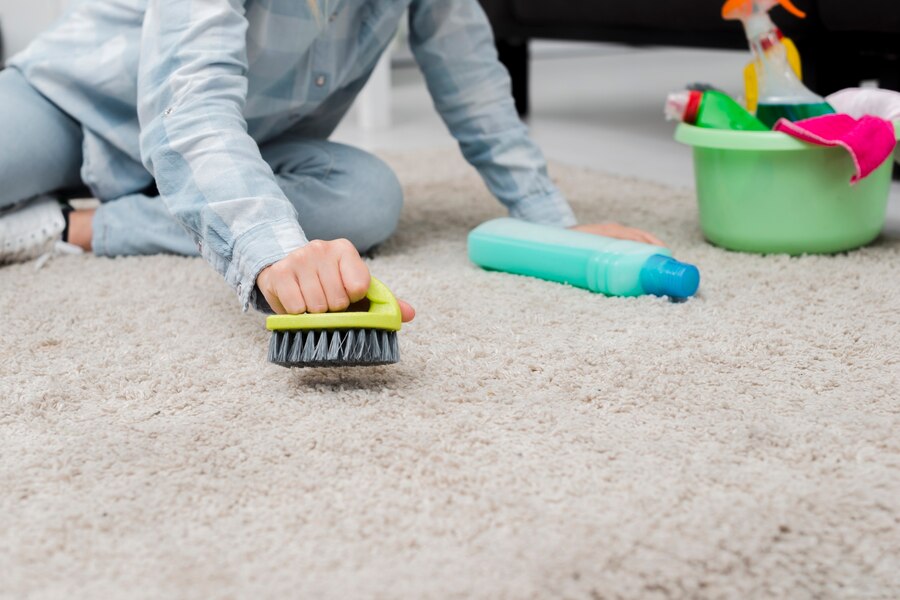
x=320, y=80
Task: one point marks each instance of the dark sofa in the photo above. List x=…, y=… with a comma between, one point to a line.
x=841, y=42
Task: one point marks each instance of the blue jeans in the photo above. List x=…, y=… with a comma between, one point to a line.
x=338, y=191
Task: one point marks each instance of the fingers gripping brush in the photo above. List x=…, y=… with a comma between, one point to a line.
x=339, y=339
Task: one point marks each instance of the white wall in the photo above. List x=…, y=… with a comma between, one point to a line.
x=21, y=20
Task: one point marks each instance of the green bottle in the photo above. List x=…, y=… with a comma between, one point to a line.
x=710, y=109
x=600, y=264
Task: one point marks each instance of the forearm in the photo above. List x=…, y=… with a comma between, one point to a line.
x=453, y=45
x=209, y=171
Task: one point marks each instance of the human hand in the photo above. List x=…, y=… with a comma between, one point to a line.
x=322, y=276
x=614, y=230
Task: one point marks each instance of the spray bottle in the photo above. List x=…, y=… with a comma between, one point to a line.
x=781, y=94
x=600, y=264
x=711, y=109
x=751, y=79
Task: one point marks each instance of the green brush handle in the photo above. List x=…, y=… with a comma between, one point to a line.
x=383, y=313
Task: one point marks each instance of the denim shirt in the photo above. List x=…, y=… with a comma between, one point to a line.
x=183, y=92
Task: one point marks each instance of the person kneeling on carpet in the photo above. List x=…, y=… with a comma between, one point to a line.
x=202, y=127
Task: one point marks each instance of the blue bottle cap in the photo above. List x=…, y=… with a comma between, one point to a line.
x=664, y=276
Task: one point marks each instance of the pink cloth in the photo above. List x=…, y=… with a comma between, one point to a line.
x=869, y=140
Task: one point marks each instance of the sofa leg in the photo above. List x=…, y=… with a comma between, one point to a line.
x=514, y=55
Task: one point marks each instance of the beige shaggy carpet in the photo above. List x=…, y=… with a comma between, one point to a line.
x=536, y=441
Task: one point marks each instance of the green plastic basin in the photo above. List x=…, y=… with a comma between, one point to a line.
x=769, y=193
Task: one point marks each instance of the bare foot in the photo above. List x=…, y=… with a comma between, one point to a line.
x=81, y=228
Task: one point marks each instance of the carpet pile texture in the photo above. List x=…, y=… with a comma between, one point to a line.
x=536, y=441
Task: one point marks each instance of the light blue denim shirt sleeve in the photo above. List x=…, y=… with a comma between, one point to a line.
x=186, y=91
x=192, y=88
x=453, y=45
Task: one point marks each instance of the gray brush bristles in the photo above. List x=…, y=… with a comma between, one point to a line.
x=334, y=348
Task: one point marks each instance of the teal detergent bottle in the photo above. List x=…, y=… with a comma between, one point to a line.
x=600, y=264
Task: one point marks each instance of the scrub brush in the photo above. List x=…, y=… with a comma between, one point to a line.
x=339, y=339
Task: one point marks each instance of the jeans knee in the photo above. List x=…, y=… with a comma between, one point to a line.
x=339, y=191
x=380, y=212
